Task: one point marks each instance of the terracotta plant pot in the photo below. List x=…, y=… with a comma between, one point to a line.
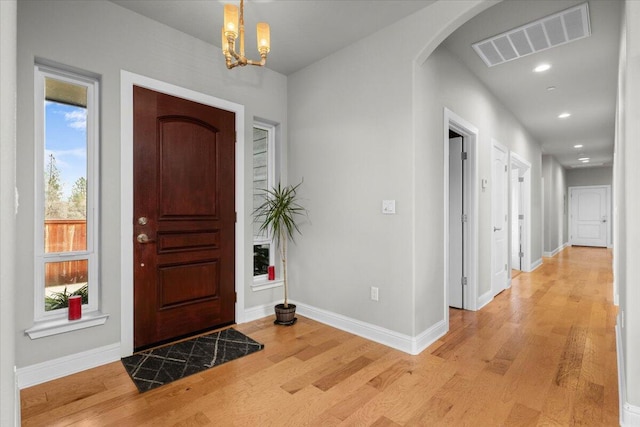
x=285, y=316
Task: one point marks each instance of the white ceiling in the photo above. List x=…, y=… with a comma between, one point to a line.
x=584, y=72
x=302, y=31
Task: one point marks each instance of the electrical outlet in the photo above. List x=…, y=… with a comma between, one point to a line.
x=374, y=293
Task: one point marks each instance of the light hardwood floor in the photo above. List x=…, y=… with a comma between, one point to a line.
x=542, y=353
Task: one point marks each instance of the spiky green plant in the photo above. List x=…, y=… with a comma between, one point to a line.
x=61, y=299
x=279, y=213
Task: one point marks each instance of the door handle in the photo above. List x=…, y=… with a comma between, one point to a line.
x=497, y=228
x=143, y=238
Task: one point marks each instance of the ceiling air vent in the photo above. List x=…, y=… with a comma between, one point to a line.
x=551, y=31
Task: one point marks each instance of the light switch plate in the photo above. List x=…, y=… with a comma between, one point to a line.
x=389, y=207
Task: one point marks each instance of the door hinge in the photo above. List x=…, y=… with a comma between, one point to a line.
x=521, y=216
x=521, y=179
x=235, y=217
x=463, y=280
x=236, y=137
x=235, y=297
x=463, y=155
x=463, y=218
x=505, y=267
x=505, y=168
x=521, y=254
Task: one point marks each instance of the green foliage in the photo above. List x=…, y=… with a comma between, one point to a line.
x=279, y=212
x=78, y=200
x=61, y=299
x=53, y=190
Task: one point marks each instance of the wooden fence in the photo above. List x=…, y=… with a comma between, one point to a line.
x=65, y=235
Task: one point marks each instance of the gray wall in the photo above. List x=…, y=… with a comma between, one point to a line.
x=357, y=139
x=103, y=38
x=627, y=201
x=8, y=22
x=555, y=205
x=589, y=176
x=445, y=82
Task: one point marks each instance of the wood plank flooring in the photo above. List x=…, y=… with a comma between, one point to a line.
x=542, y=353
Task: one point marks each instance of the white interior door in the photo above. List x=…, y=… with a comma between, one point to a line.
x=500, y=216
x=456, y=235
x=589, y=216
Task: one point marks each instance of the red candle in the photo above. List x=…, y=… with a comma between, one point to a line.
x=75, y=307
x=271, y=272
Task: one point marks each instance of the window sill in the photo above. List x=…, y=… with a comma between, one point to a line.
x=262, y=284
x=45, y=328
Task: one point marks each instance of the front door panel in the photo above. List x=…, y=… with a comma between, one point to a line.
x=184, y=217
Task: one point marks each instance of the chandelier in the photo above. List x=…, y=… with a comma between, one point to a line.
x=233, y=31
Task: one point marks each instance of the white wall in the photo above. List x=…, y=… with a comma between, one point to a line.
x=627, y=206
x=103, y=38
x=589, y=176
x=555, y=205
x=446, y=82
x=360, y=134
x=8, y=22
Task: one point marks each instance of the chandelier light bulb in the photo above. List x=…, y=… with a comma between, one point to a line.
x=231, y=20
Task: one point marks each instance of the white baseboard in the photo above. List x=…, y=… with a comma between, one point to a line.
x=629, y=414
x=258, y=312
x=67, y=365
x=485, y=299
x=556, y=250
x=536, y=264
x=412, y=345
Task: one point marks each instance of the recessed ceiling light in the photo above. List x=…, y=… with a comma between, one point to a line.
x=550, y=88
x=582, y=159
x=585, y=161
x=542, y=67
x=578, y=146
x=564, y=115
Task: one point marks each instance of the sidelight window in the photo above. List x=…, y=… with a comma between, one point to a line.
x=263, y=178
x=66, y=217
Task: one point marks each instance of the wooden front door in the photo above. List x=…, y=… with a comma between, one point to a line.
x=184, y=217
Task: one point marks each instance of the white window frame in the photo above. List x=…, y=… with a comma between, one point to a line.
x=55, y=321
x=271, y=176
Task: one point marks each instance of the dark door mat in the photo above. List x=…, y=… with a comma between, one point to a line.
x=152, y=368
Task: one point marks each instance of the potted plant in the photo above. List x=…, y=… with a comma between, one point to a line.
x=279, y=214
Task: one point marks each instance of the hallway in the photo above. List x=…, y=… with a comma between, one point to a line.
x=542, y=353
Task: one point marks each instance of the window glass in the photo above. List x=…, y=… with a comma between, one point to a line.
x=66, y=190
x=261, y=259
x=263, y=143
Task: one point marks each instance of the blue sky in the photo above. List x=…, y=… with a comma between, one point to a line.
x=66, y=139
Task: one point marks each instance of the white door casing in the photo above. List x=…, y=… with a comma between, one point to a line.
x=471, y=183
x=499, y=218
x=127, y=81
x=589, y=215
x=516, y=226
x=456, y=246
x=523, y=167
